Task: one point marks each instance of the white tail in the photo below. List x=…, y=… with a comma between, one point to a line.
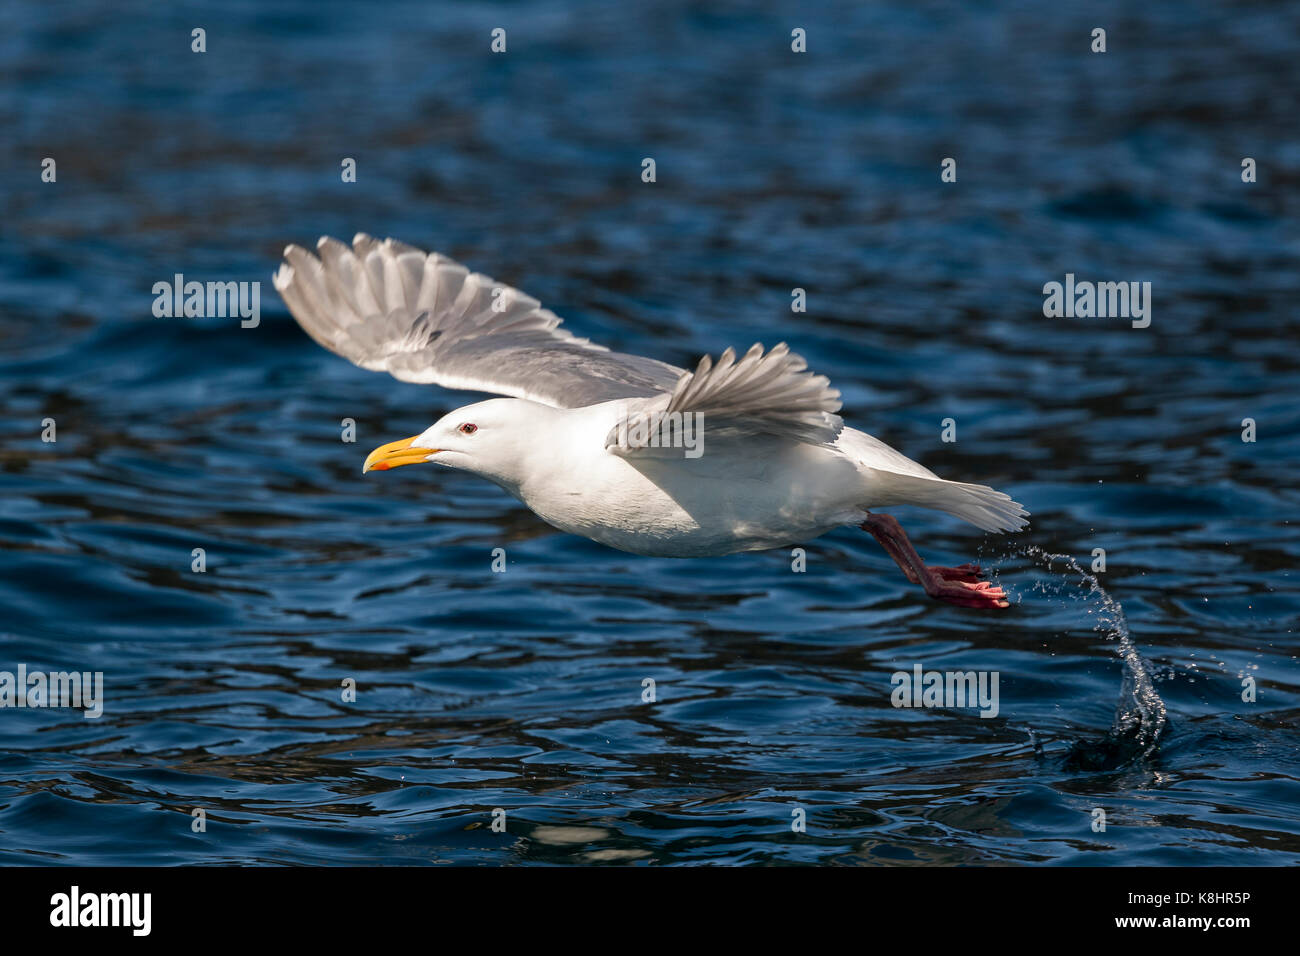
x=983, y=507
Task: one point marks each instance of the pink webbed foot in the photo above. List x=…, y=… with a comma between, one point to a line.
x=965, y=593
x=960, y=585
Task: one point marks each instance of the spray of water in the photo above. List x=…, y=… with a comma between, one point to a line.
x=1140, y=716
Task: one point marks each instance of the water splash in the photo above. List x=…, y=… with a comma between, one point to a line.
x=1140, y=716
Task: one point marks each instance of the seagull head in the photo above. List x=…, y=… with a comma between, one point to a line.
x=489, y=438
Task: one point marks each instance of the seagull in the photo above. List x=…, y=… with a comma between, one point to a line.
x=741, y=454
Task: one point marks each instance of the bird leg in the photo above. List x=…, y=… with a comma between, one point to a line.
x=960, y=585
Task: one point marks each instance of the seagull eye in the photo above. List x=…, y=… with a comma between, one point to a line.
x=467, y=429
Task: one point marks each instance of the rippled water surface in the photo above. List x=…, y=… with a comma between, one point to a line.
x=1120, y=690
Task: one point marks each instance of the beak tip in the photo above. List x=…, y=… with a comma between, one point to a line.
x=394, y=455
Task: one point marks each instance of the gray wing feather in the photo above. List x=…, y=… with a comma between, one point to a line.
x=387, y=306
x=770, y=393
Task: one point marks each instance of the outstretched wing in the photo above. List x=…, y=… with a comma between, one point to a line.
x=387, y=306
x=769, y=393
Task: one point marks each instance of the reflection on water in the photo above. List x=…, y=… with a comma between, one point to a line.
x=523, y=691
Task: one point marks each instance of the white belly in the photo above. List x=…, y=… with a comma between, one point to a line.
x=766, y=494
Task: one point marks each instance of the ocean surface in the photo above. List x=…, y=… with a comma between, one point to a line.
x=1159, y=696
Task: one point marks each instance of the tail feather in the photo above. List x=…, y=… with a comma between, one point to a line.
x=983, y=507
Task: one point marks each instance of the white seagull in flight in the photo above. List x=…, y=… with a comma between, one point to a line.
x=738, y=455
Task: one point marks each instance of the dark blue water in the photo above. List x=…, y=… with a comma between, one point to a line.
x=523, y=690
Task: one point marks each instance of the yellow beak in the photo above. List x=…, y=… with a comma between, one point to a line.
x=394, y=454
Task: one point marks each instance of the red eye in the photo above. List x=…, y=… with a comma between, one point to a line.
x=467, y=429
